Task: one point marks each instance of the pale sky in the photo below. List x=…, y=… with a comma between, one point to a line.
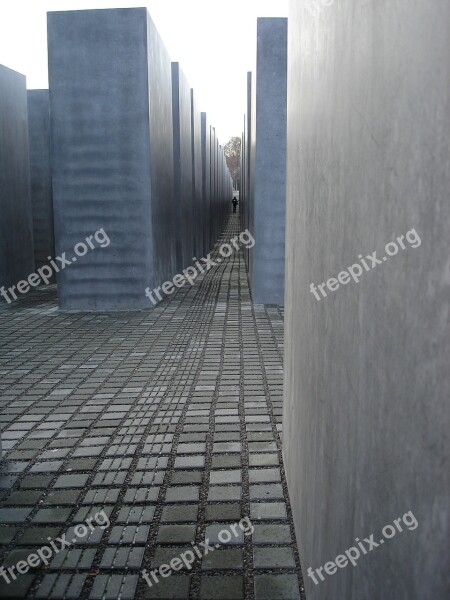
x=214, y=41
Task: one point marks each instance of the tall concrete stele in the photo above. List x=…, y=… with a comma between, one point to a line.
x=111, y=121
x=182, y=161
x=16, y=226
x=41, y=176
x=365, y=428
x=263, y=202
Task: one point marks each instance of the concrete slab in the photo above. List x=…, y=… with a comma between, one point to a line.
x=182, y=162
x=41, y=176
x=365, y=435
x=112, y=155
x=16, y=227
x=267, y=195
x=197, y=177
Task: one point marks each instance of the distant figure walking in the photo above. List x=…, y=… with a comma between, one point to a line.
x=235, y=203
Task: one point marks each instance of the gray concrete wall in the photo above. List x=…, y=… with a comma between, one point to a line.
x=206, y=180
x=40, y=175
x=16, y=227
x=245, y=195
x=267, y=200
x=110, y=95
x=367, y=379
x=161, y=155
x=197, y=192
x=182, y=160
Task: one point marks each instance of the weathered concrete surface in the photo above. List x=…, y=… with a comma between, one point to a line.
x=110, y=94
x=16, y=227
x=182, y=161
x=267, y=199
x=368, y=380
x=40, y=175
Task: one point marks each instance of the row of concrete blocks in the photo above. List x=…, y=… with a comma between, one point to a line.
x=263, y=162
x=131, y=155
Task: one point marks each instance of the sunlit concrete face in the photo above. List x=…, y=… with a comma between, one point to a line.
x=367, y=378
x=182, y=161
x=16, y=229
x=267, y=196
x=110, y=94
x=40, y=175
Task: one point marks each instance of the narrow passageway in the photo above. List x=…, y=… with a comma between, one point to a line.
x=163, y=427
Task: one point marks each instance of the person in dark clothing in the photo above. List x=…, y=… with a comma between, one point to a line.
x=235, y=203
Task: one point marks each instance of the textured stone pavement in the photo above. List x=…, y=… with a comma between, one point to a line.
x=169, y=421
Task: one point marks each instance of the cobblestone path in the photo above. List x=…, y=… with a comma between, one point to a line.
x=168, y=420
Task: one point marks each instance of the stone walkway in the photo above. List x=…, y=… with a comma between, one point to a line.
x=163, y=427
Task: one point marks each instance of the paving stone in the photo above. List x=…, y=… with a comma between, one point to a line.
x=71, y=481
x=220, y=493
x=264, y=475
x=48, y=466
x=268, y=510
x=172, y=588
x=38, y=536
x=20, y=588
x=182, y=494
x=271, y=534
x=282, y=587
x=227, y=447
x=225, y=477
x=273, y=558
x=189, y=462
x=221, y=461
x=224, y=534
x=58, y=498
x=222, y=588
x=16, y=555
x=52, y=515
x=268, y=491
x=180, y=513
x=14, y=515
x=176, y=534
x=224, y=559
x=163, y=555
x=36, y=481
x=221, y=512
x=7, y=535
x=182, y=477
x=263, y=460
x=28, y=498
